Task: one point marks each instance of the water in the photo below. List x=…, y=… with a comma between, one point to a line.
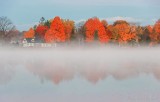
x=80, y=75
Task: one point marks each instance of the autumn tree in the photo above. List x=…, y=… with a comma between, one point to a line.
x=157, y=27
x=155, y=33
x=103, y=33
x=113, y=33
x=40, y=32
x=29, y=34
x=68, y=28
x=90, y=30
x=95, y=28
x=107, y=28
x=56, y=32
x=123, y=31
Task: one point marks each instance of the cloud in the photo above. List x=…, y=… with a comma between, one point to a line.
x=128, y=19
x=154, y=20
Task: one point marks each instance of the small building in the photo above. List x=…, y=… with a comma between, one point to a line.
x=30, y=42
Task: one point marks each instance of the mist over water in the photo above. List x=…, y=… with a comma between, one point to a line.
x=96, y=74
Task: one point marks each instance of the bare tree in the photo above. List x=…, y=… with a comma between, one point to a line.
x=6, y=27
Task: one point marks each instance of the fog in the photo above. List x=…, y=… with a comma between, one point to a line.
x=93, y=67
x=93, y=64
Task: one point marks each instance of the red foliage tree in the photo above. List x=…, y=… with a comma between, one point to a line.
x=56, y=32
x=103, y=37
x=90, y=30
x=93, y=26
x=41, y=30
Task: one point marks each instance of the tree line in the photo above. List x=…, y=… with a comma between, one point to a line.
x=59, y=30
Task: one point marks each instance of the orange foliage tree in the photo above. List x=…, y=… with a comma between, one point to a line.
x=123, y=31
x=113, y=34
x=68, y=28
x=94, y=28
x=56, y=32
x=29, y=34
x=157, y=27
x=107, y=29
x=155, y=33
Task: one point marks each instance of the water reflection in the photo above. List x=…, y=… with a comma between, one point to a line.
x=93, y=65
x=6, y=72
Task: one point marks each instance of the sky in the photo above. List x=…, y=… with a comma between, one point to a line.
x=26, y=13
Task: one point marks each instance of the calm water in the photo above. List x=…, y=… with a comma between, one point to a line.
x=80, y=75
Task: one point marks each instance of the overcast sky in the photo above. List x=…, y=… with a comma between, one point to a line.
x=25, y=13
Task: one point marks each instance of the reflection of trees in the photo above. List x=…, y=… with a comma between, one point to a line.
x=156, y=72
x=56, y=71
x=59, y=71
x=94, y=72
x=49, y=70
x=6, y=72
